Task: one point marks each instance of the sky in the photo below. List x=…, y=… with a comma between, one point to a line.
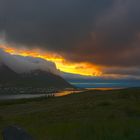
x=92, y=38
x=21, y=64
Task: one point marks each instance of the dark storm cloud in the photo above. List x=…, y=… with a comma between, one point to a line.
x=133, y=71
x=49, y=23
x=53, y=22
x=116, y=39
x=103, y=32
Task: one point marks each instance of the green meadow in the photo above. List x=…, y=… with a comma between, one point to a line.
x=90, y=115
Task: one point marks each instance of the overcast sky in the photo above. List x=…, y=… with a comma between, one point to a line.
x=102, y=32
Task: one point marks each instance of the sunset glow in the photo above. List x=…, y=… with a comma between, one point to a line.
x=62, y=64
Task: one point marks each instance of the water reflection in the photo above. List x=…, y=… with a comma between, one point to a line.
x=64, y=93
x=29, y=96
x=104, y=89
x=58, y=94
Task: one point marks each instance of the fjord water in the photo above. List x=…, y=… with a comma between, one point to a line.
x=81, y=86
x=30, y=96
x=20, y=96
x=105, y=85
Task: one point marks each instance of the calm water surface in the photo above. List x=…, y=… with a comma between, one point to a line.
x=58, y=94
x=29, y=96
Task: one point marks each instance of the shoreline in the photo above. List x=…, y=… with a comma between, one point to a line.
x=18, y=97
x=8, y=97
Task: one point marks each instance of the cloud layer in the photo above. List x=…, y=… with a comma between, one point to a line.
x=22, y=64
x=102, y=32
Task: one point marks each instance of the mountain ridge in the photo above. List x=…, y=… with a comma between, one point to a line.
x=36, y=78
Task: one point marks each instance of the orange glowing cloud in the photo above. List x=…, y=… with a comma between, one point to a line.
x=62, y=64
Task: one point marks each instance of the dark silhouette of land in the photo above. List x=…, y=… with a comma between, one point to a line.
x=99, y=115
x=34, y=79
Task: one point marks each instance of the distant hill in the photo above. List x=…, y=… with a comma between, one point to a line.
x=37, y=78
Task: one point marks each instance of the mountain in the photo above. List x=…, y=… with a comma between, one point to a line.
x=37, y=79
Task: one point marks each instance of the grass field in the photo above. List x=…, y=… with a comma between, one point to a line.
x=91, y=115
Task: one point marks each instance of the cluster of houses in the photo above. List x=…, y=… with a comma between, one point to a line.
x=27, y=90
x=30, y=90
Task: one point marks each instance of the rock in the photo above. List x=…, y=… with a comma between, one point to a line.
x=16, y=133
